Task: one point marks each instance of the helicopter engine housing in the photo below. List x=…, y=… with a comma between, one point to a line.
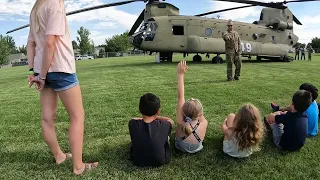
x=278, y=24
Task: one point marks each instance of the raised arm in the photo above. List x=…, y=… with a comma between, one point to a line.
x=182, y=68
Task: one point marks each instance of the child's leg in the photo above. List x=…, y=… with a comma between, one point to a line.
x=277, y=131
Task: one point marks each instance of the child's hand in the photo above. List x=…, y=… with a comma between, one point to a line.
x=182, y=67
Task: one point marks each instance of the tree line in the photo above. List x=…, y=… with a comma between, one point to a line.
x=116, y=43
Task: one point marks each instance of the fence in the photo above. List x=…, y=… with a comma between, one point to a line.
x=121, y=54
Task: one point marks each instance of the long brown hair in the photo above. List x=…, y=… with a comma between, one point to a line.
x=34, y=13
x=191, y=110
x=248, y=127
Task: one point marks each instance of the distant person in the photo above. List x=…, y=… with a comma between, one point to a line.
x=310, y=50
x=233, y=51
x=51, y=58
x=191, y=123
x=289, y=128
x=303, y=53
x=297, y=50
x=150, y=134
x=243, y=132
x=312, y=111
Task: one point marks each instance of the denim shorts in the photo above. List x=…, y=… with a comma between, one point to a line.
x=60, y=81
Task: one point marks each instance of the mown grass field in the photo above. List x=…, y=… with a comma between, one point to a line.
x=111, y=89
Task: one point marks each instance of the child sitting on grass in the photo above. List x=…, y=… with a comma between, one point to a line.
x=191, y=124
x=289, y=128
x=150, y=134
x=312, y=112
x=243, y=132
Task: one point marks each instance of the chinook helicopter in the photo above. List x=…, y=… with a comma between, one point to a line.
x=164, y=30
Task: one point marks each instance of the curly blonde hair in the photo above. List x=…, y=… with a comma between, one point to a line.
x=248, y=128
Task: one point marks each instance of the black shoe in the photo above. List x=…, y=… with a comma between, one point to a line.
x=236, y=78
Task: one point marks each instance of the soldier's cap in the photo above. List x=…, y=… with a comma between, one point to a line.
x=230, y=22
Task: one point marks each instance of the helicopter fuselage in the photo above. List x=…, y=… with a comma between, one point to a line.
x=190, y=34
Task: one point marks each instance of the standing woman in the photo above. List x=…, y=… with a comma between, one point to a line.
x=51, y=58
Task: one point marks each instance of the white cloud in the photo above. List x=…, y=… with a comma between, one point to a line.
x=98, y=21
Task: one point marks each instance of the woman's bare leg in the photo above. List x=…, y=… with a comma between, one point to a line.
x=72, y=101
x=49, y=102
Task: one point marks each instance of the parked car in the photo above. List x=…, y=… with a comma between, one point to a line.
x=81, y=57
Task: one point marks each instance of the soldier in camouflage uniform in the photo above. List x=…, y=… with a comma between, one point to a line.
x=310, y=50
x=233, y=51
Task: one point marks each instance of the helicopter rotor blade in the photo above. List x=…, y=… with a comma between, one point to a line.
x=86, y=9
x=137, y=23
x=102, y=6
x=222, y=10
x=285, y=2
x=271, y=5
x=295, y=19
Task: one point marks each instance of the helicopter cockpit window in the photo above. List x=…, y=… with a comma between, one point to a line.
x=177, y=30
x=152, y=26
x=143, y=27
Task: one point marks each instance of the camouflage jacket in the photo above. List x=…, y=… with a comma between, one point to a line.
x=232, y=41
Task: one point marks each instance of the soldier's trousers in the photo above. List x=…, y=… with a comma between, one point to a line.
x=233, y=58
x=309, y=56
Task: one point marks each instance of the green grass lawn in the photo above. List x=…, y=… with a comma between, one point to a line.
x=111, y=90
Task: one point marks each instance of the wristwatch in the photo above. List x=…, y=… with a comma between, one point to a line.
x=31, y=71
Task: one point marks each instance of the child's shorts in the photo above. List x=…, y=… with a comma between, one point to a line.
x=60, y=81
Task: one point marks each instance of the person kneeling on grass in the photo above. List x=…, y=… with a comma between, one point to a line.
x=243, y=132
x=191, y=124
x=289, y=128
x=150, y=134
x=312, y=111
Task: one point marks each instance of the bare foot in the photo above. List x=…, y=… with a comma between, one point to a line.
x=87, y=166
x=63, y=158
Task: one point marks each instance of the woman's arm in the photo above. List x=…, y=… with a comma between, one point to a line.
x=31, y=45
x=49, y=48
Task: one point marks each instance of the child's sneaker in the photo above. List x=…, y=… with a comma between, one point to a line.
x=275, y=107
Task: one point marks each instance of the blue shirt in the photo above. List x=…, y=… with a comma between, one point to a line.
x=313, y=115
x=295, y=130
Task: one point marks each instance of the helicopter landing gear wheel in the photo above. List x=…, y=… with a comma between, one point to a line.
x=217, y=59
x=258, y=58
x=166, y=56
x=197, y=58
x=287, y=58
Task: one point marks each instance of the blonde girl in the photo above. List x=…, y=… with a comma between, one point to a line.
x=191, y=124
x=52, y=66
x=243, y=132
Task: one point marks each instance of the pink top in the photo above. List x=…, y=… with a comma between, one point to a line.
x=51, y=16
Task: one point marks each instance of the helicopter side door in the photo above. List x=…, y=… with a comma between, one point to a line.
x=178, y=36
